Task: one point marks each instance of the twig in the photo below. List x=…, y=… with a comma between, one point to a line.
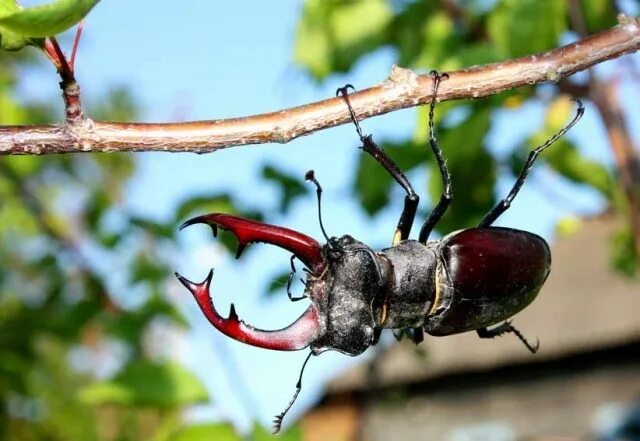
x=402, y=89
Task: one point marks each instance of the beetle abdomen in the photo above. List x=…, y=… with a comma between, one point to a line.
x=485, y=276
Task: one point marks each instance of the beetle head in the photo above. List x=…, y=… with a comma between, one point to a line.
x=344, y=278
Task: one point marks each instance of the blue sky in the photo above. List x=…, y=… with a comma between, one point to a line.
x=195, y=60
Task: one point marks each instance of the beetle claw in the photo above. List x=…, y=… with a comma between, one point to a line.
x=296, y=336
x=246, y=231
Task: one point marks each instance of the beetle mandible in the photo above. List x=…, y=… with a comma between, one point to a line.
x=466, y=281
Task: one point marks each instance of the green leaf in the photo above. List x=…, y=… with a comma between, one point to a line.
x=598, y=14
x=11, y=41
x=148, y=270
x=45, y=20
x=207, y=432
x=625, y=258
x=472, y=168
x=204, y=204
x=291, y=187
x=373, y=184
x=8, y=7
x=332, y=35
x=523, y=27
x=157, y=229
x=277, y=283
x=143, y=383
x=565, y=158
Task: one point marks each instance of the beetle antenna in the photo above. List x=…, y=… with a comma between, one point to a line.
x=311, y=177
x=277, y=421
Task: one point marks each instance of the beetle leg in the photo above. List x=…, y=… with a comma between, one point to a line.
x=277, y=421
x=504, y=204
x=417, y=335
x=368, y=145
x=292, y=338
x=447, y=196
x=506, y=328
x=290, y=279
x=377, y=332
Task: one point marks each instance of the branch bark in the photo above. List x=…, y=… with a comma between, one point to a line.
x=402, y=89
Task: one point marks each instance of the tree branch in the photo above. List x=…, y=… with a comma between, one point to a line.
x=402, y=89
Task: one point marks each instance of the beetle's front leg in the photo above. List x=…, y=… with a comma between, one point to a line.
x=447, y=195
x=290, y=280
x=368, y=145
x=506, y=328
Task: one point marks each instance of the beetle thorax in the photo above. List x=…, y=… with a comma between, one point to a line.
x=354, y=277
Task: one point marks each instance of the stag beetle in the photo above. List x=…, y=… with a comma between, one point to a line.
x=466, y=281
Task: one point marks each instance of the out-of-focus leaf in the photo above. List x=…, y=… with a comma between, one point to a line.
x=96, y=207
x=207, y=432
x=373, y=184
x=10, y=110
x=521, y=27
x=568, y=226
x=625, y=258
x=259, y=433
x=290, y=187
x=472, y=170
x=46, y=20
x=564, y=157
x=130, y=325
x=156, y=229
x=407, y=31
x=439, y=39
x=119, y=105
x=143, y=383
x=332, y=35
x=148, y=270
x=8, y=7
x=598, y=14
x=219, y=203
x=277, y=283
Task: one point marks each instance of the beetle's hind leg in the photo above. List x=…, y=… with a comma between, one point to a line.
x=504, y=204
x=416, y=335
x=368, y=145
x=447, y=194
x=506, y=328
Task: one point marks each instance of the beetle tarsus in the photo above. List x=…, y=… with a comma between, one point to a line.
x=506, y=328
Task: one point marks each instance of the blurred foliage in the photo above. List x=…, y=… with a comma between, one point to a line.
x=333, y=36
x=80, y=357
